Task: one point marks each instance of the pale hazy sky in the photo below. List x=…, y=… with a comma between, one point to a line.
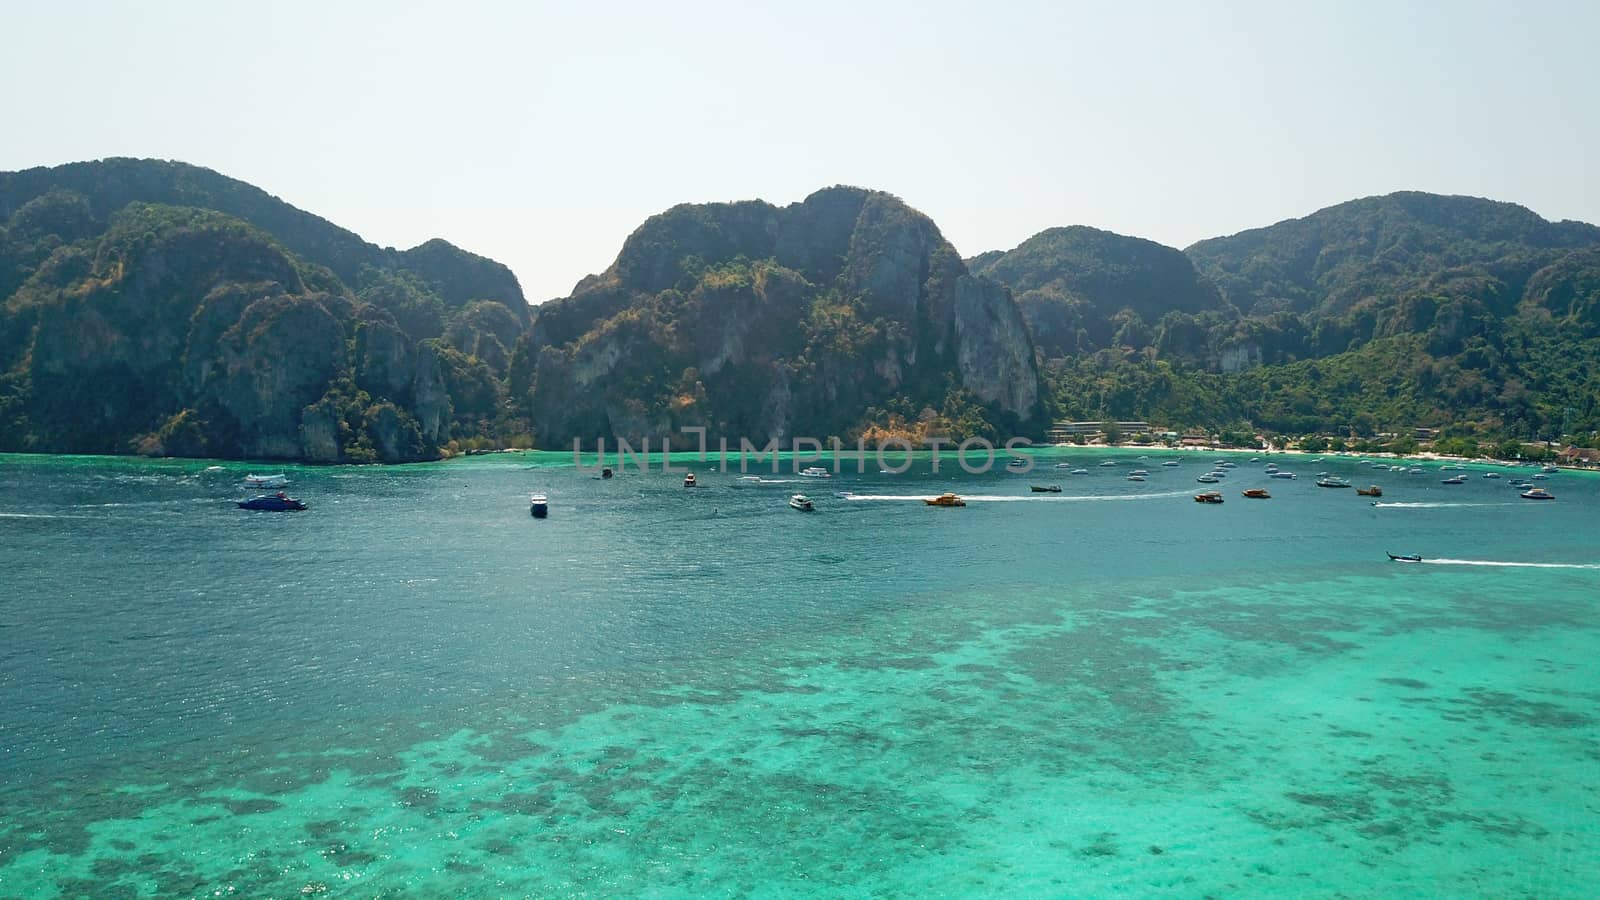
x=541, y=134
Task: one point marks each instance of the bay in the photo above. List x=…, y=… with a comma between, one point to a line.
x=416, y=688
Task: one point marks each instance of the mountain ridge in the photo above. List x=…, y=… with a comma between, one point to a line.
x=164, y=308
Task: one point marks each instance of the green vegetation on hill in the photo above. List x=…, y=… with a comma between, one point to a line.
x=155, y=307
x=160, y=308
x=1375, y=315
x=1083, y=289
x=836, y=316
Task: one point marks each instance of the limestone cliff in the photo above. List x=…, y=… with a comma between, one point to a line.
x=131, y=326
x=764, y=322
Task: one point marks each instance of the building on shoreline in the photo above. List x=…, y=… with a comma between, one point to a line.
x=1061, y=432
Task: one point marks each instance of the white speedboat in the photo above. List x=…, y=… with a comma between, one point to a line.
x=815, y=472
x=689, y=481
x=1139, y=472
x=266, y=481
x=1280, y=475
x=1063, y=465
x=1491, y=474
x=1170, y=462
x=801, y=502
x=539, y=506
x=1135, y=477
x=1107, y=463
x=1079, y=472
x=1208, y=478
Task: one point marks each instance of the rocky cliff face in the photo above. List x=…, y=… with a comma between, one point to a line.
x=134, y=326
x=757, y=321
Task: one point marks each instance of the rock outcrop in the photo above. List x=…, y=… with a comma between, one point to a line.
x=236, y=325
x=761, y=322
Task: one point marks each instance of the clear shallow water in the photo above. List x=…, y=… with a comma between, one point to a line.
x=416, y=688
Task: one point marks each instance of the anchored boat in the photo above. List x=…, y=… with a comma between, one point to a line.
x=801, y=502
x=945, y=499
x=279, y=502
x=539, y=506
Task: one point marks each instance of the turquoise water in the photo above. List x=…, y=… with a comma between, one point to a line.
x=416, y=689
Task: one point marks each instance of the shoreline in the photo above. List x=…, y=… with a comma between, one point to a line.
x=679, y=459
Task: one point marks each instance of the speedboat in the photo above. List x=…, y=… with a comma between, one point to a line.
x=1208, y=497
x=1491, y=474
x=801, y=502
x=1045, y=488
x=1414, y=470
x=539, y=506
x=606, y=472
x=279, y=502
x=1107, y=463
x=1227, y=464
x=1281, y=475
x=1257, y=493
x=1208, y=478
x=1016, y=462
x=945, y=499
x=815, y=472
x=1537, y=494
x=1454, y=479
x=1139, y=472
x=1170, y=462
x=1549, y=470
x=266, y=481
x=1079, y=472
x=1063, y=465
x=1412, y=557
x=1135, y=477
x=1452, y=468
x=1540, y=477
x=688, y=480
x=1332, y=481
x=1371, y=491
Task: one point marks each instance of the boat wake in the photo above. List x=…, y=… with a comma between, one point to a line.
x=11, y=515
x=1420, y=505
x=1013, y=498
x=1510, y=565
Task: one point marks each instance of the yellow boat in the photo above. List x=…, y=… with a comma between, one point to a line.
x=945, y=499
